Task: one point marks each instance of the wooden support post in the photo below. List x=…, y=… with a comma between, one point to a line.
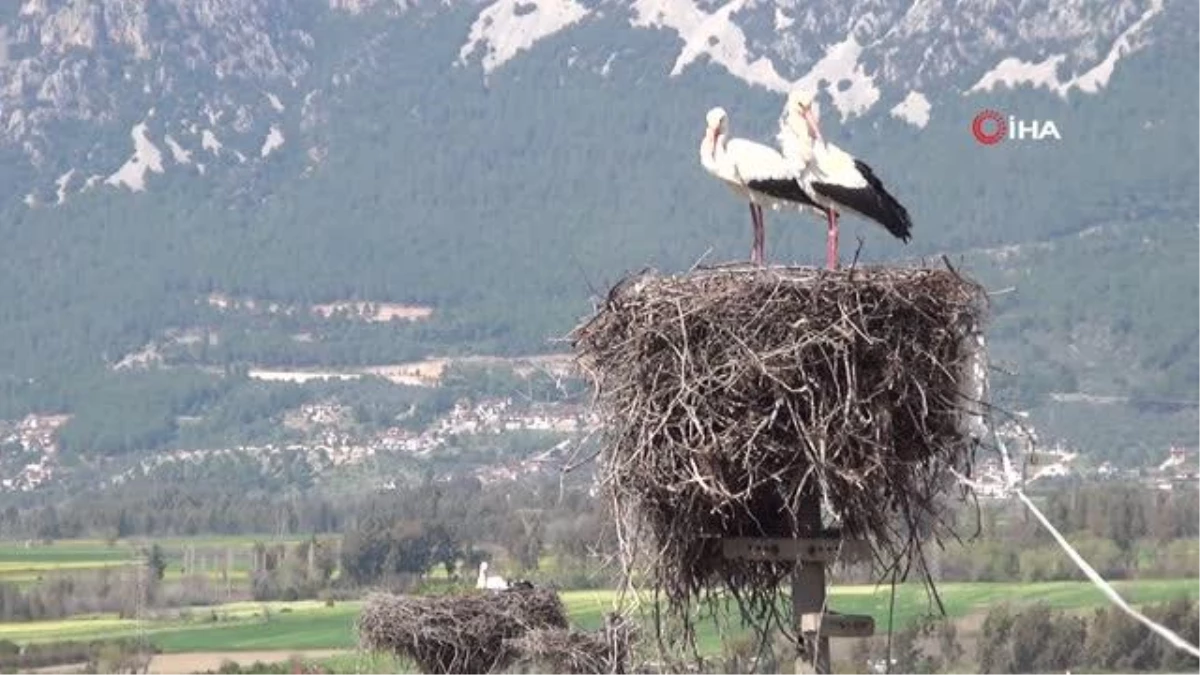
x=808, y=594
x=811, y=552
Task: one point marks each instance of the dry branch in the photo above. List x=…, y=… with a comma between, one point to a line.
x=730, y=394
x=456, y=633
x=554, y=650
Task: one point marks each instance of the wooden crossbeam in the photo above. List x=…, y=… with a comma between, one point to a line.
x=825, y=549
x=834, y=625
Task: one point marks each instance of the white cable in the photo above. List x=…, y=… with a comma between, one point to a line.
x=977, y=429
x=1092, y=574
x=1104, y=586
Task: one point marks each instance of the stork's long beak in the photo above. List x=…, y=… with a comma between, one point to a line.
x=713, y=133
x=812, y=123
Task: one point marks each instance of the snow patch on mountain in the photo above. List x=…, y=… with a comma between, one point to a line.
x=782, y=21
x=146, y=157
x=1013, y=72
x=61, y=184
x=178, y=153
x=914, y=109
x=273, y=142
x=1097, y=78
x=208, y=141
x=351, y=6
x=507, y=27
x=360, y=6
x=852, y=90
x=713, y=35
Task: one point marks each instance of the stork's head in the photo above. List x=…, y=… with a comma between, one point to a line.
x=800, y=112
x=800, y=100
x=717, y=121
x=717, y=124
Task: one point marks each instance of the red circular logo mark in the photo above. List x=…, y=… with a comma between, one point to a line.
x=989, y=119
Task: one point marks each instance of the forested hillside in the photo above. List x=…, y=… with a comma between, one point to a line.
x=505, y=200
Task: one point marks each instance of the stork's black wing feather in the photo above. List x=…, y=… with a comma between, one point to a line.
x=872, y=201
x=782, y=188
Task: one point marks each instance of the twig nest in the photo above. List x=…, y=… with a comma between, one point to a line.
x=730, y=394
x=555, y=650
x=456, y=633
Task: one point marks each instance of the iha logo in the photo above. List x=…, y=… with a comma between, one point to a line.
x=990, y=127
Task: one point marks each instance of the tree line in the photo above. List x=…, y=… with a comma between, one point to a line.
x=1038, y=639
x=1124, y=530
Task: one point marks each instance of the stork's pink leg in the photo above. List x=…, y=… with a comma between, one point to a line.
x=754, y=235
x=756, y=247
x=760, y=236
x=831, y=242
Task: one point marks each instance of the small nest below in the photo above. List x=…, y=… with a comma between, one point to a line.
x=554, y=650
x=732, y=397
x=456, y=633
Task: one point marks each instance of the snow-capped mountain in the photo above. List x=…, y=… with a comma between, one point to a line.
x=498, y=162
x=109, y=91
x=861, y=48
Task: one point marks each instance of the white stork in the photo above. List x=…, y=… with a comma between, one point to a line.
x=485, y=581
x=836, y=180
x=758, y=173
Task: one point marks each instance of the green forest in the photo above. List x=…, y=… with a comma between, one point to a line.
x=508, y=237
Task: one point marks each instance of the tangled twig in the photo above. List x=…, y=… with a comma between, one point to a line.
x=727, y=394
x=456, y=633
x=572, y=651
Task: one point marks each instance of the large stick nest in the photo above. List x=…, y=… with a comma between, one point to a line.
x=572, y=651
x=456, y=633
x=731, y=396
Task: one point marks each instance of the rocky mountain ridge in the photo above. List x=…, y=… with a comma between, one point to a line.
x=85, y=81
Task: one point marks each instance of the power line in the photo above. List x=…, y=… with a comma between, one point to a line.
x=1120, y=399
x=1013, y=483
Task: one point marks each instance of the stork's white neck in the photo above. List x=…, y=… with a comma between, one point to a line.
x=712, y=151
x=795, y=139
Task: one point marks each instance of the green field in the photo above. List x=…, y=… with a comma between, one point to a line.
x=312, y=625
x=25, y=564
x=251, y=626
x=66, y=553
